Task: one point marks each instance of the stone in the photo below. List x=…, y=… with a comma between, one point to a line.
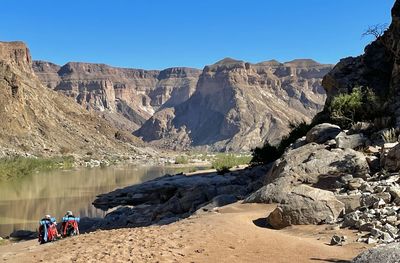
x=369, y=200
x=373, y=149
x=392, y=230
x=395, y=193
x=306, y=205
x=351, y=219
x=346, y=178
x=351, y=202
x=387, y=237
x=379, y=204
x=350, y=141
x=355, y=183
x=383, y=254
x=367, y=227
x=373, y=162
x=322, y=133
x=365, y=187
x=371, y=240
x=336, y=240
x=376, y=232
x=391, y=161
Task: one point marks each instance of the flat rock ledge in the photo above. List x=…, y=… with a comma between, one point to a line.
x=173, y=197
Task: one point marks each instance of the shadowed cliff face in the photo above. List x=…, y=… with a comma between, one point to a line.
x=128, y=97
x=238, y=105
x=36, y=119
x=378, y=68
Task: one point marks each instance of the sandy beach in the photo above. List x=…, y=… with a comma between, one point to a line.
x=234, y=233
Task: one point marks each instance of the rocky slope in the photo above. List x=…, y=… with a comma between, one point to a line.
x=128, y=97
x=238, y=105
x=38, y=120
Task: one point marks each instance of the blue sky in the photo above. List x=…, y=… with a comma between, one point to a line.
x=154, y=34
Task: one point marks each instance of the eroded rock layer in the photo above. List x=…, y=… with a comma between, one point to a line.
x=237, y=105
x=39, y=120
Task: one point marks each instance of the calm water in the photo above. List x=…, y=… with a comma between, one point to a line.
x=24, y=201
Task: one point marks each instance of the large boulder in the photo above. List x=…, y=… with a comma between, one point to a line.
x=391, y=162
x=310, y=164
x=306, y=205
x=385, y=254
x=350, y=141
x=322, y=133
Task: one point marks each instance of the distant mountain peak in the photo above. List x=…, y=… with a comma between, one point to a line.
x=304, y=62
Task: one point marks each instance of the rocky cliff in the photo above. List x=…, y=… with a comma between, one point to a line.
x=237, y=105
x=38, y=120
x=378, y=68
x=128, y=97
x=182, y=107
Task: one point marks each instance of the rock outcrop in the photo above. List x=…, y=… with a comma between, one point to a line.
x=35, y=119
x=237, y=105
x=378, y=68
x=313, y=164
x=171, y=197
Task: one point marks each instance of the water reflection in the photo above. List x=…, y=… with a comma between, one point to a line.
x=24, y=201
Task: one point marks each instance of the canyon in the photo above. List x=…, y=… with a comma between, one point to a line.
x=231, y=105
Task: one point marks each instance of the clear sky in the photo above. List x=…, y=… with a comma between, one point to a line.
x=156, y=34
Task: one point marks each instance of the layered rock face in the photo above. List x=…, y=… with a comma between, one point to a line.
x=229, y=106
x=238, y=106
x=378, y=68
x=39, y=120
x=128, y=97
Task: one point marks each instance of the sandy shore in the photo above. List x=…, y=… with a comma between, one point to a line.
x=233, y=234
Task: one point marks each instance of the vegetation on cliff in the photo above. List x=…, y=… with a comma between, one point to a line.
x=360, y=105
x=269, y=153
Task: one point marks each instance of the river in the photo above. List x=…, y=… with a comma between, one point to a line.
x=24, y=201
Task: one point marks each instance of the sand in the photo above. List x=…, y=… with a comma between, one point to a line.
x=236, y=233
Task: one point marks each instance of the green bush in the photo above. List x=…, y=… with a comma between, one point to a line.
x=223, y=162
x=296, y=132
x=360, y=105
x=265, y=154
x=269, y=153
x=181, y=160
x=15, y=167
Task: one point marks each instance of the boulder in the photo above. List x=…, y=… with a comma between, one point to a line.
x=350, y=141
x=24, y=234
x=373, y=162
x=322, y=133
x=355, y=183
x=306, y=205
x=351, y=202
x=383, y=254
x=309, y=164
x=391, y=162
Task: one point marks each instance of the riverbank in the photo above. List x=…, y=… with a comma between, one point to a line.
x=234, y=233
